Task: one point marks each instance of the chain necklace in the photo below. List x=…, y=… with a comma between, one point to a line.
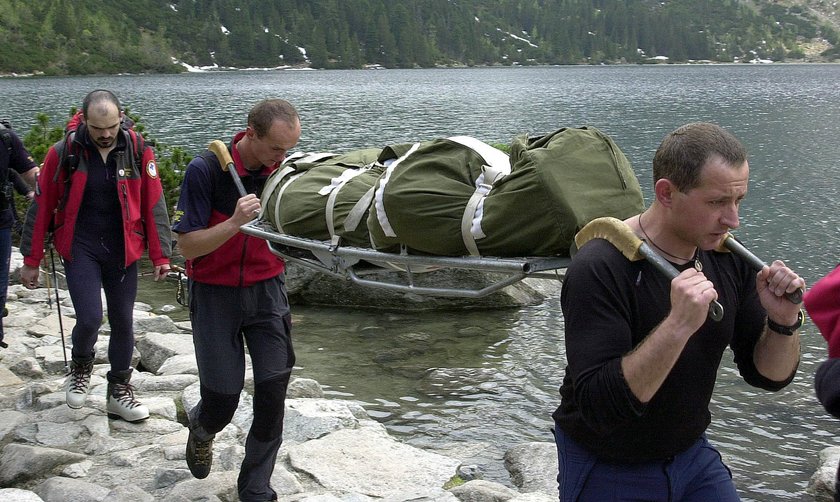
x=698, y=265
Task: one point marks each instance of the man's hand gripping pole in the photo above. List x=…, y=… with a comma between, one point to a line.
x=734, y=245
x=617, y=233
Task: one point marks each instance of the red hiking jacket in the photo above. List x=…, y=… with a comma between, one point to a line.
x=145, y=220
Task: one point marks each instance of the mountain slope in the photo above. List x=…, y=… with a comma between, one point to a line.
x=107, y=36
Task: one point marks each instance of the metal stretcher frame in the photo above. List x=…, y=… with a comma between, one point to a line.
x=353, y=262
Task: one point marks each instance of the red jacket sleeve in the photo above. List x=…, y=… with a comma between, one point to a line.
x=154, y=210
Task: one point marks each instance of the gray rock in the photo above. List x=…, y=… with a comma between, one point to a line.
x=50, y=326
x=52, y=358
x=168, y=477
x=821, y=485
x=27, y=367
x=20, y=462
x=533, y=467
x=9, y=421
x=79, y=470
x=149, y=322
x=129, y=492
x=157, y=347
x=306, y=287
x=534, y=497
x=151, y=384
x=483, y=491
x=215, y=487
x=60, y=489
x=179, y=365
x=469, y=472
x=421, y=495
x=370, y=463
x=314, y=418
x=304, y=387
x=17, y=495
x=9, y=379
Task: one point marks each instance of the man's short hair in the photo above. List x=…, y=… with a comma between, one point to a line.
x=97, y=97
x=683, y=153
x=267, y=111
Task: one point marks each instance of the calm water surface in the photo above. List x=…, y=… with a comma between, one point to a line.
x=474, y=384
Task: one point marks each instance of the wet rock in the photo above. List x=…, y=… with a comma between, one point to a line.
x=821, y=485
x=533, y=467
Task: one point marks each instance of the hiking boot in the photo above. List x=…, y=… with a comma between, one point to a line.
x=78, y=382
x=121, y=401
x=199, y=449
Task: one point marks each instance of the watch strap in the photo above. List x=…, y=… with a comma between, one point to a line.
x=786, y=330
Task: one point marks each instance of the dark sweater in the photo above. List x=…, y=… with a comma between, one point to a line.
x=610, y=305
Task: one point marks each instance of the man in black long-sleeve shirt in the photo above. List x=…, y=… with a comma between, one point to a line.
x=642, y=355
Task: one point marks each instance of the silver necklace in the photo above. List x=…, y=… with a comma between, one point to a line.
x=698, y=265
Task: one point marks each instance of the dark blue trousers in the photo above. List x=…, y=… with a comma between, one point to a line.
x=695, y=475
x=5, y=263
x=98, y=266
x=226, y=320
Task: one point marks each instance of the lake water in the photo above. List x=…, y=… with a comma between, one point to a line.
x=473, y=384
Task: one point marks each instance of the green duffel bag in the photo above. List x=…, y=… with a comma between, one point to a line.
x=457, y=198
x=571, y=177
x=323, y=196
x=421, y=198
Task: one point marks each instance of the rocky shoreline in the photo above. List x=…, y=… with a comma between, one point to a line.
x=332, y=449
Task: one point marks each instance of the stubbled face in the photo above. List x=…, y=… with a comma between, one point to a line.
x=710, y=210
x=103, y=123
x=271, y=149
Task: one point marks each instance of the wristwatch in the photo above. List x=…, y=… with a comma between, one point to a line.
x=786, y=330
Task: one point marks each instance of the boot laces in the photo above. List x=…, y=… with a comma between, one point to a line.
x=123, y=393
x=79, y=379
x=203, y=452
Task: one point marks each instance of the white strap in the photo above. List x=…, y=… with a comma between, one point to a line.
x=335, y=186
x=378, y=202
x=269, y=188
x=277, y=202
x=354, y=217
x=308, y=158
x=497, y=168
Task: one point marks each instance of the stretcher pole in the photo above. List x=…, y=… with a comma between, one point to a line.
x=226, y=161
x=735, y=246
x=617, y=233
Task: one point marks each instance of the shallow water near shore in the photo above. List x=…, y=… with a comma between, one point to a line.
x=477, y=383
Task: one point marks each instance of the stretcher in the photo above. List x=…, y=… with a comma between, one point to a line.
x=365, y=267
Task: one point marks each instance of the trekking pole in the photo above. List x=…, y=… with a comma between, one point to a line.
x=49, y=283
x=58, y=305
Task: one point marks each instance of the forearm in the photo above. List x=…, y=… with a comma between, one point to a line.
x=31, y=176
x=205, y=241
x=776, y=356
x=647, y=366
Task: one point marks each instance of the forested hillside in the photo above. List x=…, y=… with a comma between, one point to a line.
x=108, y=36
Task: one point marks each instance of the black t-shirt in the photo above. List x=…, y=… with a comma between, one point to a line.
x=610, y=305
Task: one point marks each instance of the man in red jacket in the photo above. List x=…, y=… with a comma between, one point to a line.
x=101, y=202
x=238, y=297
